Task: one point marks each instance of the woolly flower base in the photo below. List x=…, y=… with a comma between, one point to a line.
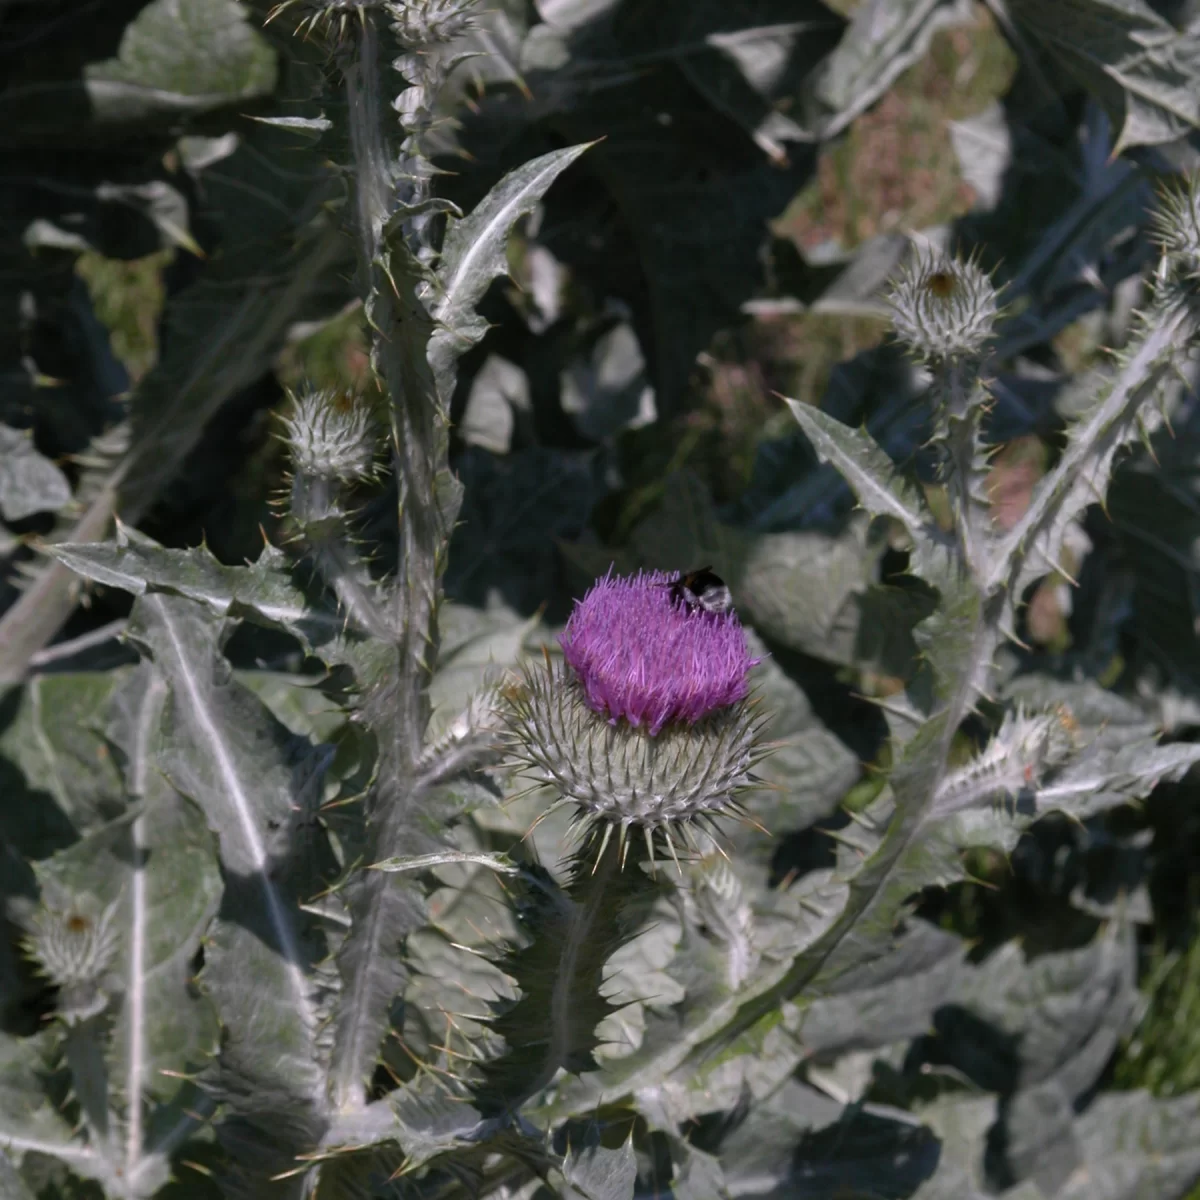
x=643, y=656
x=620, y=774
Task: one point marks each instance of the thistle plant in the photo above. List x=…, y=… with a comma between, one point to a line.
x=448, y=916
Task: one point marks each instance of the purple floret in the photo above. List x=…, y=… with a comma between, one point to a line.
x=642, y=656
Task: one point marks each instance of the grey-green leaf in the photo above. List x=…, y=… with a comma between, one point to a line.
x=29, y=1119
x=29, y=482
x=425, y=862
x=595, y=1173
x=1143, y=70
x=867, y=469
x=59, y=778
x=308, y=128
x=181, y=57
x=473, y=256
x=1136, y=1146
x=160, y=869
x=885, y=38
x=256, y=784
x=1032, y=547
x=266, y=592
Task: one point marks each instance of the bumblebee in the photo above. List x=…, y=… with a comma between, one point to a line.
x=942, y=284
x=701, y=590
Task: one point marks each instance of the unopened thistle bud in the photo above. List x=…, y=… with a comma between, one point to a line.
x=944, y=308
x=330, y=18
x=75, y=945
x=1177, y=228
x=331, y=437
x=649, y=722
x=419, y=24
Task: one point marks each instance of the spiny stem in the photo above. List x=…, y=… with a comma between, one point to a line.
x=373, y=164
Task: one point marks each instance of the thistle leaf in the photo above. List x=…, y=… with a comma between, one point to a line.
x=308, y=128
x=1032, y=763
x=570, y=935
x=1142, y=69
x=384, y=909
x=387, y=907
x=254, y=782
x=865, y=466
x=441, y=858
x=188, y=56
x=880, y=488
x=164, y=1030
x=473, y=255
x=11, y=1184
x=1032, y=547
x=593, y=1172
x=266, y=592
x=30, y=1121
x=695, y=1174
x=29, y=482
x=812, y=767
x=157, y=866
x=1040, y=1032
x=67, y=783
x=1135, y=1145
x=888, y=999
x=277, y=249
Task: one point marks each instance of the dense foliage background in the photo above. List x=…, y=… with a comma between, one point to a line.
x=177, y=253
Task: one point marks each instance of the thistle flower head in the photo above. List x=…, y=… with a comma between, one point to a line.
x=330, y=437
x=649, y=723
x=642, y=656
x=944, y=308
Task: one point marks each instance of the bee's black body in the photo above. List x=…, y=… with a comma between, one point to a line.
x=701, y=590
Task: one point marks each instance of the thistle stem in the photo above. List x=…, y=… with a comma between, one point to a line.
x=589, y=902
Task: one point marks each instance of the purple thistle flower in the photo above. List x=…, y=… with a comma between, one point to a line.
x=639, y=654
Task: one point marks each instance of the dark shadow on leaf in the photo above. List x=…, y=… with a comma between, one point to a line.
x=865, y=1154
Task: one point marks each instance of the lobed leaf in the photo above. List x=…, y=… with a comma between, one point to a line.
x=182, y=56
x=1143, y=70
x=1032, y=547
x=29, y=482
x=254, y=781
x=883, y=40
x=473, y=255
x=266, y=592
x=593, y=1172
x=30, y=1122
x=569, y=934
